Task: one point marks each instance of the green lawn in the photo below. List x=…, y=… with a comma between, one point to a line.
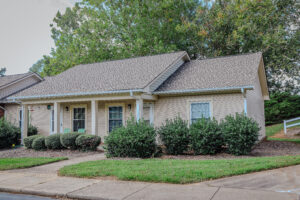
x=16, y=163
x=175, y=170
x=272, y=130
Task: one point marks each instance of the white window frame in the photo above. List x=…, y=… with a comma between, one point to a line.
x=51, y=119
x=107, y=106
x=72, y=115
x=151, y=111
x=195, y=102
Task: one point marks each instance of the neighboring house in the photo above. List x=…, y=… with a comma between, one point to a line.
x=101, y=96
x=10, y=85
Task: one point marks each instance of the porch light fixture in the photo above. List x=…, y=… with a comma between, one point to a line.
x=48, y=107
x=67, y=108
x=129, y=106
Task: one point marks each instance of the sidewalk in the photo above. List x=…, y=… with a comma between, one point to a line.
x=275, y=184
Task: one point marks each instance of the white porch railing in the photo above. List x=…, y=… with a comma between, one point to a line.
x=290, y=125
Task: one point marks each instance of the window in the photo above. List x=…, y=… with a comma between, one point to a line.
x=115, y=117
x=78, y=118
x=148, y=113
x=199, y=110
x=20, y=118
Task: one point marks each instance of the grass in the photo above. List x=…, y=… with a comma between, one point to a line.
x=17, y=163
x=175, y=170
x=272, y=130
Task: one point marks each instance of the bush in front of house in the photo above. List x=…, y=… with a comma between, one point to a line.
x=38, y=143
x=68, y=140
x=206, y=136
x=32, y=130
x=88, y=142
x=9, y=134
x=29, y=140
x=53, y=141
x=174, y=135
x=136, y=139
x=240, y=134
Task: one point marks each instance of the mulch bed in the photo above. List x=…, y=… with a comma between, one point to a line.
x=23, y=152
x=264, y=148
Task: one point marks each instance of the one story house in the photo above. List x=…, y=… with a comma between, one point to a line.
x=101, y=96
x=10, y=85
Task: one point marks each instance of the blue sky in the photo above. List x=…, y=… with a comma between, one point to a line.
x=25, y=33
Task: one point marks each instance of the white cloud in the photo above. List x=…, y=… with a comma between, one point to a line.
x=25, y=32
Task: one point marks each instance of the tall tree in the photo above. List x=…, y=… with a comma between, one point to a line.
x=228, y=27
x=2, y=71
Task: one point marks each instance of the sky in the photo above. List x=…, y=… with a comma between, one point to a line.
x=25, y=34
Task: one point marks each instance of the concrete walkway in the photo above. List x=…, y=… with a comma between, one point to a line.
x=275, y=184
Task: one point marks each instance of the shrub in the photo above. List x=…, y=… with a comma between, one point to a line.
x=29, y=140
x=68, y=140
x=53, y=141
x=240, y=134
x=88, y=142
x=38, y=143
x=9, y=134
x=32, y=130
x=137, y=139
x=281, y=106
x=206, y=136
x=174, y=135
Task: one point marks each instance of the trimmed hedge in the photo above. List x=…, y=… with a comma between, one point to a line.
x=206, y=137
x=88, y=142
x=32, y=130
x=136, y=139
x=53, y=141
x=240, y=134
x=67, y=140
x=9, y=134
x=28, y=141
x=38, y=143
x=174, y=135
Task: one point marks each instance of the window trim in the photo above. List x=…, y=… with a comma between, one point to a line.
x=199, y=101
x=72, y=115
x=151, y=111
x=51, y=119
x=107, y=106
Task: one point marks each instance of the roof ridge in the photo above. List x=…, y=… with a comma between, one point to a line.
x=227, y=56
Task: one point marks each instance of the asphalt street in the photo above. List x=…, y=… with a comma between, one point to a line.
x=8, y=196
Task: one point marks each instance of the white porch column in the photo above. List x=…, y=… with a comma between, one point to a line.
x=24, y=128
x=139, y=109
x=94, y=108
x=56, y=117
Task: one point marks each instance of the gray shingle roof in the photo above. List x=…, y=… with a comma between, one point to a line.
x=5, y=80
x=127, y=74
x=221, y=72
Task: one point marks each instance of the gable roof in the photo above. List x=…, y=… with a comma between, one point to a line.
x=229, y=72
x=105, y=77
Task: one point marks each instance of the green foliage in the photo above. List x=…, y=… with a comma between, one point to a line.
x=206, y=137
x=88, y=142
x=29, y=140
x=174, y=135
x=281, y=106
x=240, y=133
x=68, y=140
x=136, y=139
x=9, y=134
x=38, y=143
x=32, y=130
x=53, y=141
x=202, y=28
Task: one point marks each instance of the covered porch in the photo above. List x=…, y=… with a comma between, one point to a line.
x=93, y=115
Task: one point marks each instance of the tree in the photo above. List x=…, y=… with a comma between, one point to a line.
x=98, y=30
x=228, y=27
x=2, y=71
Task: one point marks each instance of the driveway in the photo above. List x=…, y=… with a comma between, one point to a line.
x=281, y=184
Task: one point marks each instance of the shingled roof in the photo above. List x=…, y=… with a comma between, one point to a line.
x=110, y=76
x=222, y=72
x=8, y=79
